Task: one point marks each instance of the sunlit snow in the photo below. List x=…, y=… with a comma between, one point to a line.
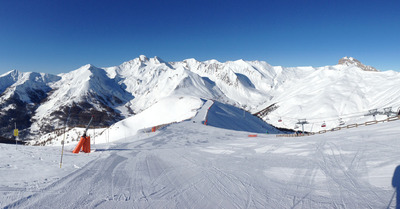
x=190, y=165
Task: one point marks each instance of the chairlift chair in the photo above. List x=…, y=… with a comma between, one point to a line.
x=323, y=125
x=341, y=122
x=280, y=120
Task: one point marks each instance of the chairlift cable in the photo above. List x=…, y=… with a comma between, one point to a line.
x=327, y=119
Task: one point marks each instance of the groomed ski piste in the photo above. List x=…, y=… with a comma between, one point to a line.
x=187, y=164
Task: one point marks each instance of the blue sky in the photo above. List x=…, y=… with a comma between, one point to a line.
x=56, y=36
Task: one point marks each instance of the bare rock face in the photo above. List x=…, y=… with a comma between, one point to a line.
x=352, y=61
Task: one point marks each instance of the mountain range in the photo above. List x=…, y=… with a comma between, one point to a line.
x=39, y=103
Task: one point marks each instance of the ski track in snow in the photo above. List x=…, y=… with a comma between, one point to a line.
x=189, y=165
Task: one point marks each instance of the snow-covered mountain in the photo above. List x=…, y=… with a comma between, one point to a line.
x=78, y=95
x=150, y=80
x=331, y=94
x=334, y=94
x=20, y=95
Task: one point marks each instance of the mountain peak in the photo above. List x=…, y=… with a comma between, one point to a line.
x=12, y=73
x=143, y=58
x=347, y=61
x=158, y=60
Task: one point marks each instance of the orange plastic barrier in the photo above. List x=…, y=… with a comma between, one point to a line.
x=253, y=135
x=84, y=145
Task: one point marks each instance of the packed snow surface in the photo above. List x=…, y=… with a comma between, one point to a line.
x=190, y=165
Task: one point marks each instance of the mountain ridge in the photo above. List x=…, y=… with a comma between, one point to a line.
x=118, y=92
x=352, y=61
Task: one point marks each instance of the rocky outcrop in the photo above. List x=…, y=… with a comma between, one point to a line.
x=352, y=61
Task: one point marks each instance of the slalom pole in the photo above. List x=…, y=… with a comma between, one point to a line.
x=62, y=142
x=62, y=150
x=15, y=135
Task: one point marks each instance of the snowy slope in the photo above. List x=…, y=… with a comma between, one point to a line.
x=150, y=80
x=27, y=87
x=335, y=92
x=254, y=85
x=228, y=117
x=21, y=94
x=189, y=165
x=239, y=81
x=8, y=79
x=84, y=92
x=166, y=111
x=330, y=94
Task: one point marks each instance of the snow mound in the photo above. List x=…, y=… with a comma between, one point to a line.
x=229, y=117
x=168, y=110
